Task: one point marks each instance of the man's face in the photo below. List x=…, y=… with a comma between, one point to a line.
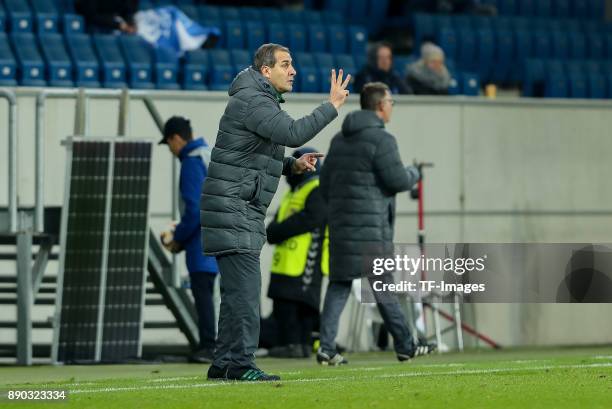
x=386, y=107
x=175, y=144
x=384, y=59
x=435, y=64
x=282, y=74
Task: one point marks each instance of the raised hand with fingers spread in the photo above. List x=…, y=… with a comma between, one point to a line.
x=338, y=91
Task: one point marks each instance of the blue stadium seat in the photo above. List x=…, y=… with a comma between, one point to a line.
x=543, y=8
x=255, y=34
x=138, y=59
x=3, y=26
x=190, y=11
x=241, y=59
x=73, y=23
x=401, y=63
x=522, y=51
x=577, y=46
x=277, y=33
x=534, y=76
x=8, y=65
x=221, y=70
x=19, y=15
x=447, y=39
x=297, y=37
x=166, y=68
x=46, y=15
x=608, y=46
x=556, y=86
x=307, y=77
x=480, y=22
x=556, y=67
x=577, y=86
x=574, y=68
x=313, y=17
x=592, y=67
x=424, y=28
x=209, y=12
x=341, y=6
x=234, y=37
x=526, y=7
x=230, y=13
x=462, y=22
x=65, y=6
x=293, y=16
x=325, y=62
x=561, y=8
x=595, y=45
x=541, y=44
x=336, y=38
x=195, y=70
x=84, y=60
x=507, y=7
x=251, y=14
x=358, y=10
x=358, y=40
x=591, y=26
x=466, y=54
x=597, y=86
x=332, y=17
x=58, y=62
x=271, y=15
x=485, y=42
x=443, y=21
x=454, y=87
x=559, y=45
x=470, y=84
x=317, y=38
x=597, y=8
x=347, y=63
x=360, y=61
x=113, y=73
x=30, y=64
x=504, y=57
x=580, y=9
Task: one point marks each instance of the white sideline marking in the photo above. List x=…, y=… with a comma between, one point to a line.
x=346, y=378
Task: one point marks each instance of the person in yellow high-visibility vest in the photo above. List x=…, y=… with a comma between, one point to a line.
x=299, y=262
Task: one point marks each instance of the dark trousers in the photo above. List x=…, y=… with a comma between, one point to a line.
x=239, y=314
x=202, y=288
x=392, y=315
x=295, y=322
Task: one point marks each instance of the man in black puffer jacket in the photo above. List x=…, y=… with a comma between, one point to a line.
x=245, y=168
x=360, y=178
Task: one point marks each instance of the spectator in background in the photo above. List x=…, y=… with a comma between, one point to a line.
x=108, y=16
x=380, y=69
x=194, y=155
x=429, y=75
x=300, y=260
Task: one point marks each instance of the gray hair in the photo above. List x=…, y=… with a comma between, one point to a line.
x=265, y=55
x=430, y=51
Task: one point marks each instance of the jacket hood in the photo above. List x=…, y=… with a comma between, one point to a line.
x=250, y=78
x=357, y=121
x=191, y=146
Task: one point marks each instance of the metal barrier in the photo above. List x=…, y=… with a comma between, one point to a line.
x=12, y=157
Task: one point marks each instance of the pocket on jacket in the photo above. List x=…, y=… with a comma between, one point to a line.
x=251, y=186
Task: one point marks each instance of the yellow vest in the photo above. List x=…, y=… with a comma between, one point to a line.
x=290, y=256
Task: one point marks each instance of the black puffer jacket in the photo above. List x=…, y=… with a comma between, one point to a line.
x=247, y=162
x=361, y=175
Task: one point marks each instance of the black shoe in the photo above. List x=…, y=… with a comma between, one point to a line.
x=250, y=375
x=419, y=350
x=326, y=359
x=216, y=374
x=286, y=351
x=202, y=356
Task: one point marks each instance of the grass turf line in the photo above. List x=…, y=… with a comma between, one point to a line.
x=544, y=378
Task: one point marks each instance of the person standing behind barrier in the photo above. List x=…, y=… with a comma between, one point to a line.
x=359, y=180
x=429, y=75
x=246, y=164
x=194, y=155
x=300, y=260
x=379, y=68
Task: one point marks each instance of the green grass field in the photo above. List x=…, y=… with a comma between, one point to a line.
x=544, y=378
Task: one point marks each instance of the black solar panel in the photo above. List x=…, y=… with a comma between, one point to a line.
x=104, y=252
